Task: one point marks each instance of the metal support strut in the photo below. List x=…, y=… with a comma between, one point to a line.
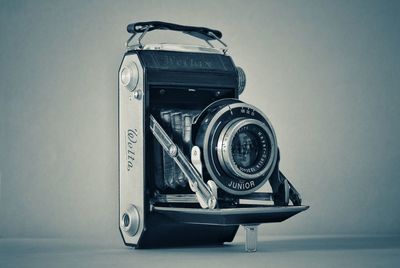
x=251, y=238
x=204, y=193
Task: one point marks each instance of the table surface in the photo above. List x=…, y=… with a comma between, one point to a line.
x=306, y=251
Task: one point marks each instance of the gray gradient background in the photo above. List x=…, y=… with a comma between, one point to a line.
x=327, y=73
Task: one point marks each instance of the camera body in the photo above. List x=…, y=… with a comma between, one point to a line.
x=190, y=152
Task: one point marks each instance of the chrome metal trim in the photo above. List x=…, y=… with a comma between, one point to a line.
x=175, y=198
x=261, y=196
x=191, y=198
x=146, y=29
x=130, y=220
x=195, y=157
x=179, y=48
x=241, y=80
x=131, y=151
x=225, y=49
x=128, y=42
x=251, y=237
x=129, y=76
x=220, y=145
x=232, y=211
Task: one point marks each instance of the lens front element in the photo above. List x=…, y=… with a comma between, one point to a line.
x=245, y=149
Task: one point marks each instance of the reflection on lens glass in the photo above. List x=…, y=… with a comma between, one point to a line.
x=245, y=149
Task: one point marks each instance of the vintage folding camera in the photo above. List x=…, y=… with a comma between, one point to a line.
x=191, y=154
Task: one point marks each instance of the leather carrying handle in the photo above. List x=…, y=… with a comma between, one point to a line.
x=199, y=32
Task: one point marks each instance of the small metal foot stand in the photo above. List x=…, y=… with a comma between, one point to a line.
x=251, y=238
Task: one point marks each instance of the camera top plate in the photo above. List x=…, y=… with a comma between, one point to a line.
x=180, y=48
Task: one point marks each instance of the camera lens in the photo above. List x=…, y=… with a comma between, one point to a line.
x=244, y=148
x=240, y=151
